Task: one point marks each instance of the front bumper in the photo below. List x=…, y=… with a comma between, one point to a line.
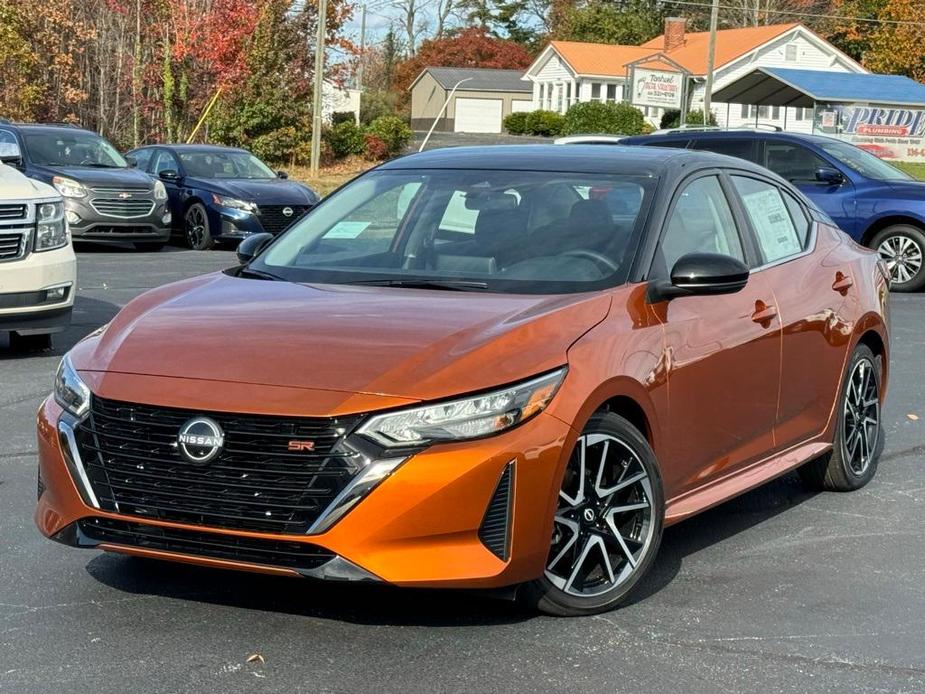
x=28, y=302
x=418, y=527
x=87, y=223
x=235, y=225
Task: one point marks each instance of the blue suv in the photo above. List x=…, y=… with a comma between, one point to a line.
x=873, y=202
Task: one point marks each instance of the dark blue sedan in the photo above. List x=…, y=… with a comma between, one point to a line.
x=872, y=201
x=223, y=194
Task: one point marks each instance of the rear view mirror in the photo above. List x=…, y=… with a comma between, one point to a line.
x=834, y=177
x=701, y=274
x=10, y=153
x=282, y=174
x=169, y=175
x=250, y=247
x=131, y=161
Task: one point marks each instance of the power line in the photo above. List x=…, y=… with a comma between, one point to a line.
x=796, y=13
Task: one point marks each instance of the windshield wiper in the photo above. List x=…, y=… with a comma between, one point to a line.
x=449, y=285
x=260, y=274
x=104, y=166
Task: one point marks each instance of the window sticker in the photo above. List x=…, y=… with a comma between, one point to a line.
x=346, y=230
x=772, y=223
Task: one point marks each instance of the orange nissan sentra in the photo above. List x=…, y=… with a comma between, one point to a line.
x=479, y=368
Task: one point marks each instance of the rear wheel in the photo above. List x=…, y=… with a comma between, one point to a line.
x=608, y=523
x=858, y=433
x=902, y=246
x=196, y=228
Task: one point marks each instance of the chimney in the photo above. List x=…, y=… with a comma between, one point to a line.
x=674, y=32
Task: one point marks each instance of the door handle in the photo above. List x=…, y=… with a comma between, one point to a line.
x=764, y=313
x=842, y=283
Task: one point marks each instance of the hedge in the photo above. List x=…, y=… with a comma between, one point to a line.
x=516, y=123
x=546, y=123
x=616, y=118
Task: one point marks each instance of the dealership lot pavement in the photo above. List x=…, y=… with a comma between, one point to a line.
x=778, y=591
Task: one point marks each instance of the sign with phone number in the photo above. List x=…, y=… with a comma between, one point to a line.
x=889, y=132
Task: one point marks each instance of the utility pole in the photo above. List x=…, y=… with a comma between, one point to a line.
x=318, y=88
x=362, y=59
x=711, y=59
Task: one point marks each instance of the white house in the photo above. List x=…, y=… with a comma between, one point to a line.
x=566, y=72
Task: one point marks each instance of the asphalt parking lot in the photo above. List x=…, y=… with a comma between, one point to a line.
x=777, y=591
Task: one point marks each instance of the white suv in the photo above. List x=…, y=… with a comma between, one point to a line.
x=38, y=269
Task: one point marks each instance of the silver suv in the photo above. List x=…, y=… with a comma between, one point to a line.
x=104, y=198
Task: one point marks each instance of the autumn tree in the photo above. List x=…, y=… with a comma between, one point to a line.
x=630, y=23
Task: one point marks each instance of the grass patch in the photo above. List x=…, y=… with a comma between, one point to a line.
x=330, y=177
x=916, y=169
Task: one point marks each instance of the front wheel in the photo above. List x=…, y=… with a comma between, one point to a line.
x=858, y=432
x=902, y=246
x=196, y=228
x=608, y=524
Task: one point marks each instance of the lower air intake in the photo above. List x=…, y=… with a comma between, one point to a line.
x=495, y=531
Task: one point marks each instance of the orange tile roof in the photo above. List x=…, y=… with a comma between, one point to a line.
x=600, y=58
x=730, y=44
x=610, y=60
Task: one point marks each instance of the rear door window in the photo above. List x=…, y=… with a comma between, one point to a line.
x=741, y=148
x=770, y=217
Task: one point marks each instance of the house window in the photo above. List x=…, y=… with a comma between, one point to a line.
x=596, y=91
x=744, y=111
x=611, y=92
x=775, y=113
x=790, y=53
x=800, y=113
x=762, y=111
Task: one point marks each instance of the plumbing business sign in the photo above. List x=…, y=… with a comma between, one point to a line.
x=657, y=88
x=890, y=132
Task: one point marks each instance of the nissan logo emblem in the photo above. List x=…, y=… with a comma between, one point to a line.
x=287, y=211
x=200, y=440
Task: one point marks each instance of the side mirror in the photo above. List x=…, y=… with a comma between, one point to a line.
x=701, y=274
x=282, y=174
x=250, y=247
x=10, y=153
x=169, y=175
x=830, y=176
x=131, y=161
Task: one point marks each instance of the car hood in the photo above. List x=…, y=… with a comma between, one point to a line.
x=272, y=191
x=15, y=186
x=91, y=176
x=408, y=343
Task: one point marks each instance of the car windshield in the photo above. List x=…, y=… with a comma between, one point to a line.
x=864, y=163
x=499, y=231
x=224, y=165
x=72, y=149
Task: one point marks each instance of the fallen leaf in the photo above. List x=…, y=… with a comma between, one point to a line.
x=913, y=417
x=256, y=658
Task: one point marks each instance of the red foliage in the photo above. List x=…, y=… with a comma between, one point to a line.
x=473, y=47
x=374, y=148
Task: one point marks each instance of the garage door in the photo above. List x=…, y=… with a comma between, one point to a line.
x=478, y=115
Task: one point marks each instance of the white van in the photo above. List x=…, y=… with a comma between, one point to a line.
x=38, y=269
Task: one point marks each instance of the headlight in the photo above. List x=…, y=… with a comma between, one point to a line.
x=70, y=392
x=468, y=418
x=68, y=187
x=160, y=192
x=234, y=203
x=51, y=231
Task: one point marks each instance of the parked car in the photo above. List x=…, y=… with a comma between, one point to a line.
x=875, y=203
x=104, y=199
x=223, y=194
x=524, y=402
x=38, y=270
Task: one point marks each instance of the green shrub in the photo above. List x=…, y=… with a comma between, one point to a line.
x=547, y=123
x=516, y=123
x=672, y=119
x=393, y=131
x=377, y=103
x=345, y=138
x=616, y=118
x=343, y=117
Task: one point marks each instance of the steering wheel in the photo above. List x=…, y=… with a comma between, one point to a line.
x=595, y=257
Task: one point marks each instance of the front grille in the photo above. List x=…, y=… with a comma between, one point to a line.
x=274, y=221
x=293, y=555
x=13, y=243
x=495, y=529
x=138, y=192
x=12, y=212
x=256, y=483
x=124, y=209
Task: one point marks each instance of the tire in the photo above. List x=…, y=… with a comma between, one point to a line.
x=149, y=246
x=591, y=533
x=903, y=247
x=196, y=228
x=848, y=467
x=30, y=343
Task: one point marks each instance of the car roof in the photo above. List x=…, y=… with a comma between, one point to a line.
x=47, y=128
x=196, y=148
x=733, y=134
x=578, y=158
